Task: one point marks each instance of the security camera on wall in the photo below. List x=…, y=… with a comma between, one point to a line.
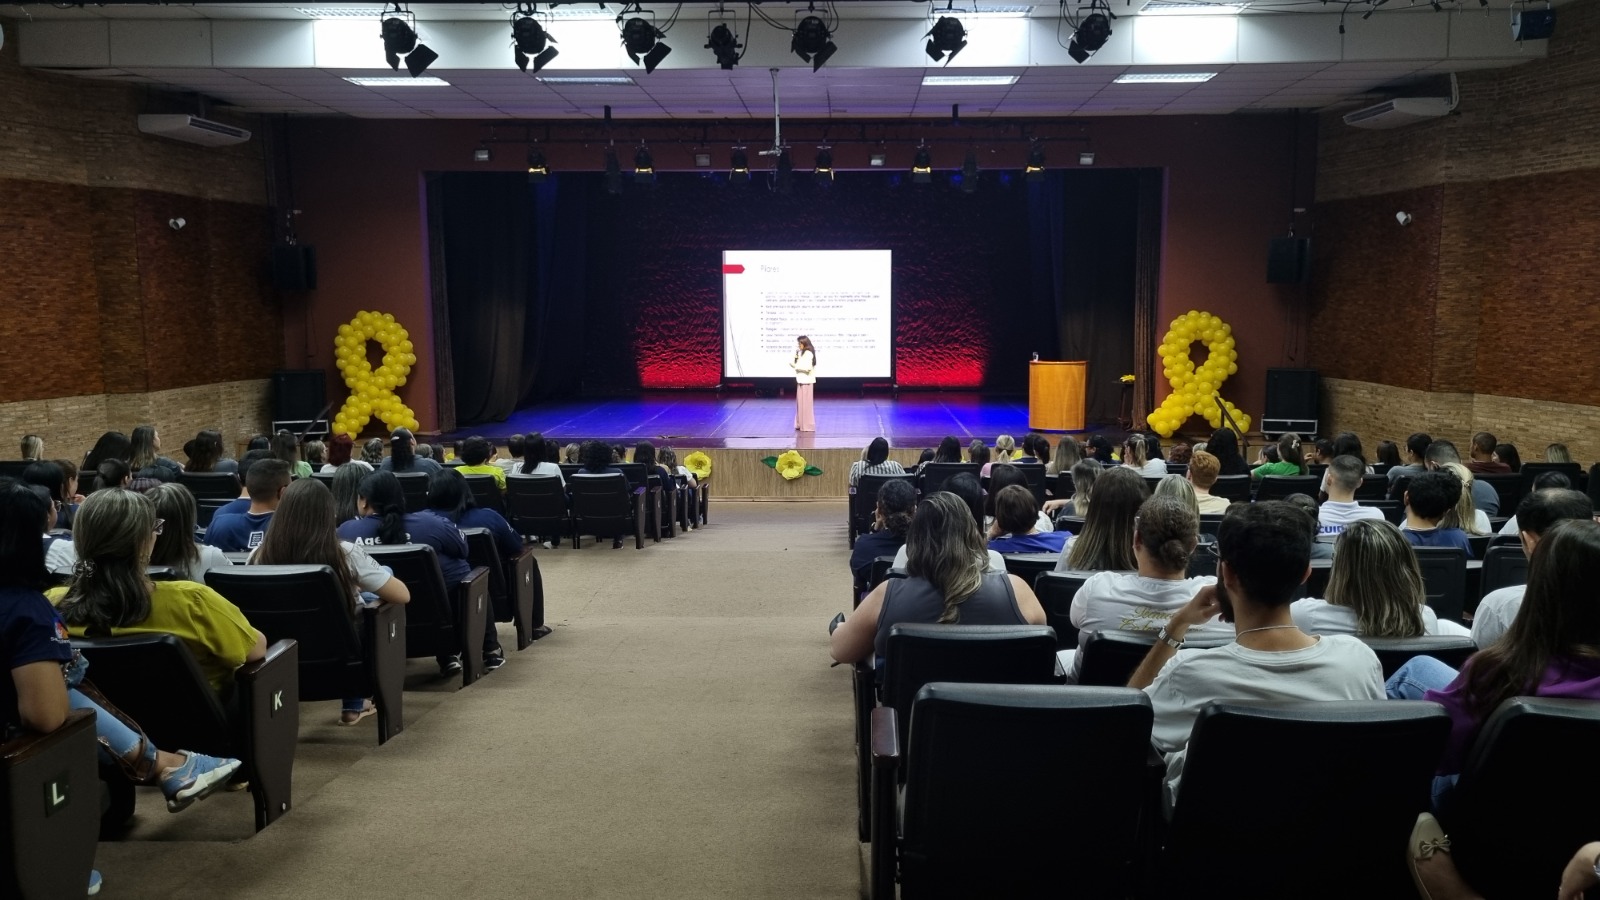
x=1403, y=217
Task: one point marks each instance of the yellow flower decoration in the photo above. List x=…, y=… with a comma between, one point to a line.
x=1194, y=388
x=791, y=465
x=698, y=464
x=1127, y=379
x=372, y=390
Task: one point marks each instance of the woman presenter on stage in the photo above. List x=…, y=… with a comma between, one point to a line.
x=804, y=365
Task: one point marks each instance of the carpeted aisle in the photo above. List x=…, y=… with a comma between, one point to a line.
x=679, y=735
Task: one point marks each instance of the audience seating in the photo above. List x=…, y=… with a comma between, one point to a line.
x=516, y=589
x=1028, y=566
x=968, y=826
x=569, y=469
x=415, y=487
x=1532, y=470
x=341, y=655
x=222, y=486
x=1277, y=487
x=1233, y=487
x=1372, y=487
x=1503, y=566
x=1452, y=650
x=1444, y=577
x=1055, y=591
x=1509, y=485
x=1071, y=524
x=1398, y=488
x=206, y=510
x=537, y=505
x=647, y=496
x=1034, y=472
x=325, y=477
x=50, y=800
x=1394, y=511
x=485, y=492
x=935, y=474
x=1210, y=523
x=1109, y=658
x=1265, y=783
x=1479, y=544
x=1061, y=488
x=1527, y=795
x=441, y=620
x=603, y=505
x=883, y=569
x=154, y=679
x=864, y=501
x=1152, y=481
x=1177, y=468
x=1593, y=488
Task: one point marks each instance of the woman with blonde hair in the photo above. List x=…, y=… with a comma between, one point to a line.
x=1374, y=589
x=1068, y=453
x=1136, y=456
x=175, y=546
x=1557, y=453
x=1106, y=541
x=948, y=583
x=1177, y=487
x=1466, y=515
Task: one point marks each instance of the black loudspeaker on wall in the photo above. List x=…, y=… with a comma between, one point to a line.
x=297, y=395
x=294, y=267
x=1289, y=260
x=1292, y=394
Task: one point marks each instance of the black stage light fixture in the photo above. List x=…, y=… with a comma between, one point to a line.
x=613, y=172
x=739, y=167
x=945, y=39
x=969, y=172
x=824, y=169
x=1035, y=168
x=644, y=166
x=531, y=40
x=783, y=175
x=641, y=39
x=538, y=169
x=922, y=166
x=400, y=40
x=1091, y=35
x=812, y=42
x=724, y=44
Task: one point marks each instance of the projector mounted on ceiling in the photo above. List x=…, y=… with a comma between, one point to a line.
x=193, y=130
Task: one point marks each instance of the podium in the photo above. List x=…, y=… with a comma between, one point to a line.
x=1055, y=395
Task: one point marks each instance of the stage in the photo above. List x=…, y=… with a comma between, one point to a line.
x=737, y=431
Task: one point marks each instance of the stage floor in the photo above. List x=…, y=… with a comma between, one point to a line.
x=706, y=420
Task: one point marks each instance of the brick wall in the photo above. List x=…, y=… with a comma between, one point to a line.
x=113, y=317
x=1480, y=313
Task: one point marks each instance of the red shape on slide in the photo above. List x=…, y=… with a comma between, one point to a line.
x=732, y=269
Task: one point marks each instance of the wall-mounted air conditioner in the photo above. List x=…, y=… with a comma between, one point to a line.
x=192, y=129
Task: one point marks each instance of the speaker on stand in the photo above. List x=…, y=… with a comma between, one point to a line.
x=1293, y=403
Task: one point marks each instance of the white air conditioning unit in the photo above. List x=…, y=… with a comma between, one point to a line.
x=193, y=130
x=1400, y=112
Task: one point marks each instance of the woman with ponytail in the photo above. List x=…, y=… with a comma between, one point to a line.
x=403, y=455
x=1291, y=459
x=949, y=584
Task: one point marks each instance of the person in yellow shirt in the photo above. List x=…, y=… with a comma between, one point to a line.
x=475, y=454
x=110, y=595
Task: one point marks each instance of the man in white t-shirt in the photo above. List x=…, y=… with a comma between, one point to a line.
x=1264, y=552
x=1537, y=512
x=1340, y=509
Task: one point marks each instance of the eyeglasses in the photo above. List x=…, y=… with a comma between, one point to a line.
x=160, y=524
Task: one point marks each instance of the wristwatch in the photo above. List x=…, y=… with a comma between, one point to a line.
x=1167, y=639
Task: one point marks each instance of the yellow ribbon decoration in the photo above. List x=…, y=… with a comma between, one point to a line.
x=372, y=390
x=1194, y=387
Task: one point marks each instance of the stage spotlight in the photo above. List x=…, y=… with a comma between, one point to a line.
x=644, y=166
x=613, y=172
x=1035, y=168
x=824, y=169
x=922, y=166
x=1090, y=36
x=739, y=167
x=531, y=40
x=724, y=44
x=400, y=40
x=783, y=175
x=946, y=38
x=812, y=42
x=969, y=172
x=538, y=169
x=641, y=39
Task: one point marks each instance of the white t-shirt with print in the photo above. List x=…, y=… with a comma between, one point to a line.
x=1128, y=601
x=1316, y=616
x=1333, y=516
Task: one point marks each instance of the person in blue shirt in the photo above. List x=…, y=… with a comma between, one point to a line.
x=892, y=519
x=266, y=480
x=450, y=498
x=1429, y=496
x=1016, y=524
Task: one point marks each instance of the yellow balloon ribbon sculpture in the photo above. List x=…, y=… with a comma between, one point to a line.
x=1194, y=388
x=372, y=391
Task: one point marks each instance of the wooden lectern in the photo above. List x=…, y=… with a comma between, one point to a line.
x=1055, y=395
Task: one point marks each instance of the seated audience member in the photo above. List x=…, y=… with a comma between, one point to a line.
x=1388, y=454
x=258, y=442
x=1415, y=457
x=517, y=452
x=1289, y=462
x=891, y=518
x=1083, y=473
x=1224, y=445
x=109, y=594
x=1135, y=456
x=1551, y=650
x=286, y=446
x=543, y=459
x=1264, y=552
x=384, y=520
x=875, y=461
x=1484, y=497
x=372, y=453
x=1203, y=471
x=1320, y=452
x=242, y=503
x=1001, y=477
x=175, y=547
x=1535, y=515
x=964, y=485
x=59, y=555
x=1030, y=450
x=1430, y=496
x=1481, y=455
x=1180, y=454
x=1302, y=502
x=303, y=533
x=265, y=480
x=1143, y=600
x=340, y=450
x=1544, y=481
x=1348, y=443
x=669, y=460
x=1374, y=589
x=112, y=473
x=571, y=454
x=1106, y=541
x=475, y=454
x=1041, y=449
x=1340, y=509
x=924, y=456
x=1100, y=450
x=1557, y=453
x=315, y=453
x=948, y=583
x=1016, y=524
x=111, y=445
x=48, y=475
x=597, y=458
x=144, y=456
x=32, y=447
x=619, y=453
x=1507, y=453
x=1004, y=447
x=977, y=454
x=450, y=499
x=1152, y=447
x=403, y=456
x=346, y=481
x=1177, y=487
x=1465, y=515
x=644, y=454
x=206, y=454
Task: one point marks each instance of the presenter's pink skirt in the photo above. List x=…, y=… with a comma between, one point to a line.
x=804, y=418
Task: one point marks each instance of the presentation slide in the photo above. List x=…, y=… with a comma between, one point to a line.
x=838, y=298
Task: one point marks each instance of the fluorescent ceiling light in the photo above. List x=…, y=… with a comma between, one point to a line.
x=400, y=81
x=1180, y=7
x=578, y=15
x=585, y=79
x=1165, y=77
x=340, y=12
x=968, y=80
x=996, y=11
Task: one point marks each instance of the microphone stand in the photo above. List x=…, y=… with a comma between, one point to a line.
x=1244, y=442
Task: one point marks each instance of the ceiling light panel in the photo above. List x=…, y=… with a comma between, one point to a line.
x=399, y=81
x=968, y=80
x=1164, y=77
